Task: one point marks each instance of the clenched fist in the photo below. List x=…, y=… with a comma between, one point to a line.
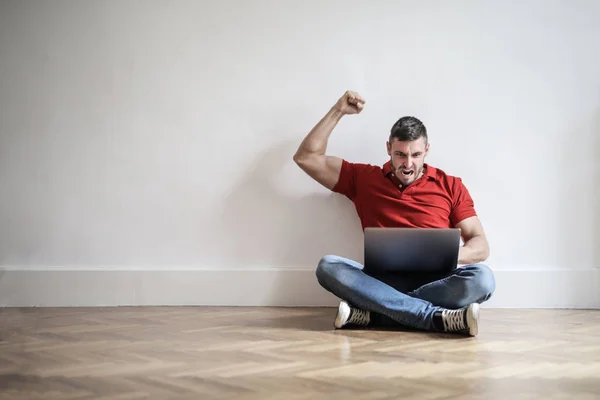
x=350, y=103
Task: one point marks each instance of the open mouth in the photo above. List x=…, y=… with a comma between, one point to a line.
x=407, y=172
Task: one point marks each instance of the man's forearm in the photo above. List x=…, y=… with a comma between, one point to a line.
x=475, y=250
x=316, y=140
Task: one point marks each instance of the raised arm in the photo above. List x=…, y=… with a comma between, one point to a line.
x=311, y=157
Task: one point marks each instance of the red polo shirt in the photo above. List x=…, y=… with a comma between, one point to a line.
x=435, y=200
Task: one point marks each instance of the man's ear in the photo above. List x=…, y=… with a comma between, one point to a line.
x=389, y=148
x=427, y=149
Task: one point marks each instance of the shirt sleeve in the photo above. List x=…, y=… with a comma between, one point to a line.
x=462, y=203
x=347, y=181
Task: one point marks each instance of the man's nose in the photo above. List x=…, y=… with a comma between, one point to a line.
x=407, y=162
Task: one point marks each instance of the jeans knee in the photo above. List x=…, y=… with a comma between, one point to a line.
x=326, y=269
x=332, y=270
x=484, y=281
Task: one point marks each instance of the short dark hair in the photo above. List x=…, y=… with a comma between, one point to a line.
x=408, y=129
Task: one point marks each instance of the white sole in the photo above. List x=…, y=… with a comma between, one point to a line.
x=342, y=315
x=473, y=319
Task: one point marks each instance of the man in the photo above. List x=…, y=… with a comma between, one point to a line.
x=405, y=192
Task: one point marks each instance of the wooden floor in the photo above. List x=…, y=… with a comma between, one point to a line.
x=278, y=353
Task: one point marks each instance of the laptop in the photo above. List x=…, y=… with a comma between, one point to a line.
x=411, y=249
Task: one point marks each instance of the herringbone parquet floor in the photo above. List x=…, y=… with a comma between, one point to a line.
x=278, y=353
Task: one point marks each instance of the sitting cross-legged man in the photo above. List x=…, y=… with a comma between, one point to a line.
x=403, y=192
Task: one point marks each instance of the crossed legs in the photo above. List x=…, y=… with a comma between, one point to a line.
x=410, y=300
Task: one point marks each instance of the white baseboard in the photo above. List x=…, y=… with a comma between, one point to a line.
x=558, y=288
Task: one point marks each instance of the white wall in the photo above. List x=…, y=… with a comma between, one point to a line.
x=144, y=135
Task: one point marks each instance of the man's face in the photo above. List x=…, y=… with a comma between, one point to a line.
x=407, y=159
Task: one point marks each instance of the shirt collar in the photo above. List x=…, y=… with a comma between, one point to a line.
x=430, y=172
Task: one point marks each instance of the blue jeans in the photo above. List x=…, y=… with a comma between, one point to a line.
x=401, y=298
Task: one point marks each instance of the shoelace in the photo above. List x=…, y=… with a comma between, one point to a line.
x=358, y=317
x=454, y=320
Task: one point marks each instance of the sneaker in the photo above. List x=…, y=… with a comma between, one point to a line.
x=351, y=316
x=462, y=320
